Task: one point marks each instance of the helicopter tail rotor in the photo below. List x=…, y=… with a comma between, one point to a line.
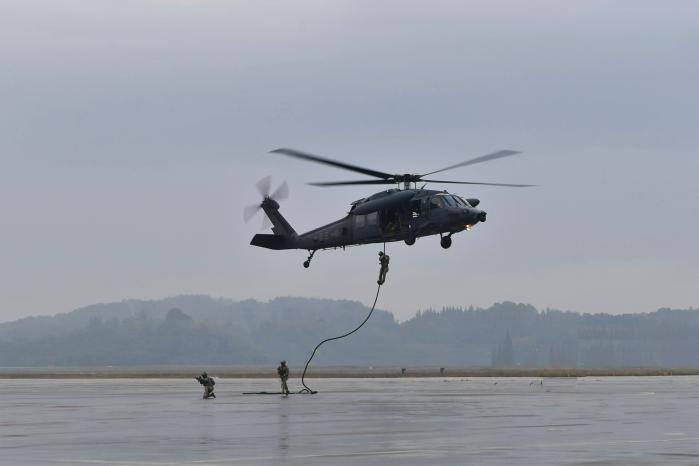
x=263, y=187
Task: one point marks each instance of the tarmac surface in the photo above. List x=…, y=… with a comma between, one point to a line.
x=407, y=421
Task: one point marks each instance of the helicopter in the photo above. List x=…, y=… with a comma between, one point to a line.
x=402, y=213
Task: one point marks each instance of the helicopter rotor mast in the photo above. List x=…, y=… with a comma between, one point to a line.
x=406, y=179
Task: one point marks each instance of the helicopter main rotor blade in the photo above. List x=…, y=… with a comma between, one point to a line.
x=483, y=158
x=484, y=184
x=334, y=163
x=347, y=183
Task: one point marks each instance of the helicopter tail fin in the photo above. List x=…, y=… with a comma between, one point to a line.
x=284, y=236
x=280, y=226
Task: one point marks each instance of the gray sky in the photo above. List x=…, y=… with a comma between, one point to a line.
x=132, y=134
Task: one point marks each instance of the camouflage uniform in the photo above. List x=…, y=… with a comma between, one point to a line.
x=283, y=372
x=384, y=259
x=208, y=383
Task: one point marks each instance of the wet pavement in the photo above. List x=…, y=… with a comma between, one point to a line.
x=587, y=421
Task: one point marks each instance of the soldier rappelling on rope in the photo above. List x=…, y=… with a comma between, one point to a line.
x=384, y=259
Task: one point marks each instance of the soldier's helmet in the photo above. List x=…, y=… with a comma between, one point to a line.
x=380, y=253
x=203, y=374
x=283, y=363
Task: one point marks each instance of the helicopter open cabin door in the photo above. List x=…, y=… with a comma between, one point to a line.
x=417, y=206
x=366, y=227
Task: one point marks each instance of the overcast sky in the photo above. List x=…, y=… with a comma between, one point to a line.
x=132, y=134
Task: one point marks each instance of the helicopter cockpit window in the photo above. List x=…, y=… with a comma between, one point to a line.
x=460, y=201
x=436, y=203
x=372, y=218
x=359, y=221
x=449, y=201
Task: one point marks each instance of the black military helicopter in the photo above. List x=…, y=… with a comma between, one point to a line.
x=392, y=215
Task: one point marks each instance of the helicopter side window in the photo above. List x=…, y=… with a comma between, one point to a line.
x=366, y=220
x=436, y=203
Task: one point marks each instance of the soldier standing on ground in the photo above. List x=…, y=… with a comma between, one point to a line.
x=384, y=259
x=208, y=383
x=283, y=371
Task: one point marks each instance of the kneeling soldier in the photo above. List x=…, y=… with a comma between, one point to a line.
x=208, y=383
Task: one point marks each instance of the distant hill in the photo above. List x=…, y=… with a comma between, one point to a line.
x=203, y=330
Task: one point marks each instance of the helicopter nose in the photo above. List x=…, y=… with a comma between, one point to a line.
x=473, y=216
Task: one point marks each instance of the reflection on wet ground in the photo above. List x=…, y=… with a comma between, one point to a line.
x=633, y=420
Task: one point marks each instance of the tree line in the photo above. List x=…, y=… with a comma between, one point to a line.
x=203, y=330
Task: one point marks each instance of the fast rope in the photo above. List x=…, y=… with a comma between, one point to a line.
x=306, y=388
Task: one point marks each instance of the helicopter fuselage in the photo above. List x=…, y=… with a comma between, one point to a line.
x=392, y=215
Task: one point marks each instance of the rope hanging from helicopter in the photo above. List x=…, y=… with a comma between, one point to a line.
x=306, y=389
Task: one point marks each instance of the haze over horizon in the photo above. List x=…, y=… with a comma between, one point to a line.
x=133, y=134
x=397, y=315
x=171, y=331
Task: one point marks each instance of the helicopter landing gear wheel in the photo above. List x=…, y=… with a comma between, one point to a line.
x=307, y=262
x=410, y=237
x=445, y=242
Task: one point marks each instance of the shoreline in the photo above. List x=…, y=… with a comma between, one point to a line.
x=328, y=372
